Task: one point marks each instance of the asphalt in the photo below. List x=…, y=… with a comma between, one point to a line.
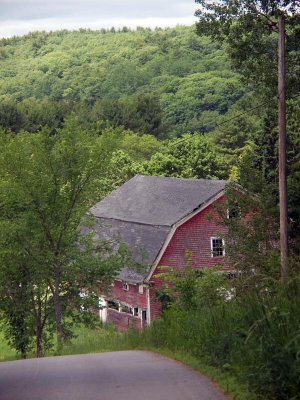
x=125, y=375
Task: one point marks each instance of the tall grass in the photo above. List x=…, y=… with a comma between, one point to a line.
x=255, y=337
x=85, y=340
x=6, y=353
x=96, y=340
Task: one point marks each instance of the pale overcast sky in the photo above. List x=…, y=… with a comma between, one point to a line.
x=18, y=17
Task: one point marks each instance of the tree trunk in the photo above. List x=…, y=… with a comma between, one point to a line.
x=38, y=327
x=58, y=313
x=283, y=202
x=39, y=343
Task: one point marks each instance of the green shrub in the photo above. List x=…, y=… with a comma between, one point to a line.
x=255, y=336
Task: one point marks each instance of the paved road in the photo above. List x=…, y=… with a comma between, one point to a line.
x=125, y=375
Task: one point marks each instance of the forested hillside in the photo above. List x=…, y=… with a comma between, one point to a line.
x=81, y=113
x=165, y=82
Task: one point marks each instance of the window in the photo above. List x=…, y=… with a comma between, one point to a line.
x=136, y=311
x=126, y=309
x=141, y=289
x=113, y=304
x=217, y=247
x=125, y=286
x=233, y=210
x=144, y=315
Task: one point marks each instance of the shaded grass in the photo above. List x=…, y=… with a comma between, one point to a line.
x=86, y=340
x=97, y=340
x=6, y=353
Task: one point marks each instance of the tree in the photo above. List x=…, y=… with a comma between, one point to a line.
x=47, y=185
x=247, y=23
x=252, y=230
x=192, y=156
x=164, y=82
x=10, y=117
x=239, y=128
x=248, y=29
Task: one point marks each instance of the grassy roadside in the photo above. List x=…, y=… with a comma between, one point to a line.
x=104, y=340
x=224, y=381
x=6, y=353
x=86, y=341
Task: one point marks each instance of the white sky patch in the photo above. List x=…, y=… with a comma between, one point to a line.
x=18, y=17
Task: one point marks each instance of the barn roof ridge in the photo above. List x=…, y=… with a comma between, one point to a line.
x=157, y=200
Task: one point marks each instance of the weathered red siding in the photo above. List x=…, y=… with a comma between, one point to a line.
x=131, y=296
x=193, y=236
x=124, y=321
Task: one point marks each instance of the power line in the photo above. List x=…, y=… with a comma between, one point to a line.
x=233, y=118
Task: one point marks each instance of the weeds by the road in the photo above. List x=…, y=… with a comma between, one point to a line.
x=86, y=340
x=6, y=352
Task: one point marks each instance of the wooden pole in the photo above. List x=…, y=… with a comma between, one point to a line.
x=282, y=150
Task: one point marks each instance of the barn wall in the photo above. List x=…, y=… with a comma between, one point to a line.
x=193, y=236
x=123, y=321
x=131, y=296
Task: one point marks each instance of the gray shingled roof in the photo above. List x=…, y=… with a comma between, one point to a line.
x=156, y=200
x=143, y=210
x=143, y=241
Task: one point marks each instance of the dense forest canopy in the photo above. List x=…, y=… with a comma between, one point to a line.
x=164, y=82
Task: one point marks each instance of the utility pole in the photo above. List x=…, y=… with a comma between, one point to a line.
x=282, y=150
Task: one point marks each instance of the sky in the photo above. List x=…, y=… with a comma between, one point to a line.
x=18, y=17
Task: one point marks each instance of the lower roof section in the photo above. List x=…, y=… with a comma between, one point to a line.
x=143, y=241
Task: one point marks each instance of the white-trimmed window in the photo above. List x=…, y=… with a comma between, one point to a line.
x=113, y=305
x=217, y=246
x=125, y=286
x=126, y=309
x=141, y=289
x=136, y=311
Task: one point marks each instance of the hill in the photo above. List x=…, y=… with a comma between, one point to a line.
x=164, y=82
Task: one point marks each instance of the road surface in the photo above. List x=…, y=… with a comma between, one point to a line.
x=124, y=375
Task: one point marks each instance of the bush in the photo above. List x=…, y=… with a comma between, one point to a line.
x=255, y=336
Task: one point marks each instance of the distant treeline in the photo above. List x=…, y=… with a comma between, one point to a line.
x=165, y=82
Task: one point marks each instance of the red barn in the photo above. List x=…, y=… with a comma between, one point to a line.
x=159, y=219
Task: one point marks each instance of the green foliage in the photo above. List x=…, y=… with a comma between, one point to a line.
x=47, y=185
x=249, y=28
x=140, y=147
x=192, y=156
x=165, y=82
x=10, y=117
x=252, y=232
x=191, y=289
x=238, y=128
x=254, y=336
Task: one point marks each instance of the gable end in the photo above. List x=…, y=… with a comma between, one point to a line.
x=176, y=226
